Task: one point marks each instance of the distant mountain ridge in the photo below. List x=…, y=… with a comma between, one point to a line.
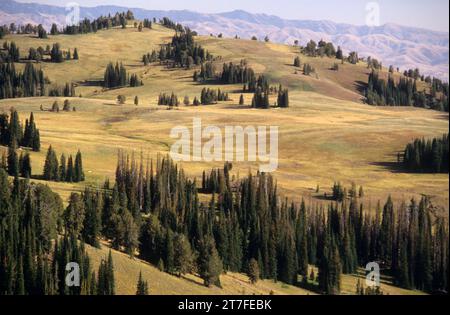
x=404, y=47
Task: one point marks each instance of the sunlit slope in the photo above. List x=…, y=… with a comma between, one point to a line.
x=126, y=273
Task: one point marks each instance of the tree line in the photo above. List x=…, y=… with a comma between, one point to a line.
x=11, y=53
x=119, y=19
x=403, y=93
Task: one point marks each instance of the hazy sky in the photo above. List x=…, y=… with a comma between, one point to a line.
x=431, y=14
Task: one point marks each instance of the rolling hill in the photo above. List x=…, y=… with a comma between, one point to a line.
x=405, y=47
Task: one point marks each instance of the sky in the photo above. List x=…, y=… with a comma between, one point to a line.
x=430, y=14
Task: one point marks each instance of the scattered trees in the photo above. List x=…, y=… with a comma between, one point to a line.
x=53, y=171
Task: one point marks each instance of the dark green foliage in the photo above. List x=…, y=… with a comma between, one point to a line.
x=13, y=159
x=33, y=259
x=240, y=73
x=42, y=33
x=166, y=99
x=181, y=52
x=75, y=54
x=13, y=84
x=209, y=263
x=53, y=171
x=427, y=155
x=56, y=54
x=142, y=286
x=405, y=93
x=104, y=22
x=283, y=97
x=115, y=76
x=25, y=165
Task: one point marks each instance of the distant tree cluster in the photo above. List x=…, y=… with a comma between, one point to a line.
x=166, y=99
x=283, y=97
x=147, y=23
x=42, y=33
x=150, y=57
x=373, y=63
x=13, y=84
x=87, y=26
x=404, y=93
x=12, y=131
x=321, y=49
x=427, y=155
x=262, y=92
x=207, y=71
x=68, y=90
x=182, y=51
x=63, y=171
x=166, y=22
x=308, y=69
x=211, y=96
x=116, y=76
x=10, y=53
x=3, y=32
x=241, y=73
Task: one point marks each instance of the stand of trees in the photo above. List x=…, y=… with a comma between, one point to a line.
x=241, y=73
x=116, y=76
x=63, y=171
x=30, y=82
x=427, y=155
x=34, y=258
x=166, y=99
x=120, y=19
x=405, y=93
x=321, y=49
x=210, y=96
x=181, y=52
x=12, y=131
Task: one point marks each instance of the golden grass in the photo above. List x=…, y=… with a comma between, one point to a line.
x=322, y=138
x=126, y=272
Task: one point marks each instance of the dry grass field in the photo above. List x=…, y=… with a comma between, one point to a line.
x=326, y=135
x=126, y=272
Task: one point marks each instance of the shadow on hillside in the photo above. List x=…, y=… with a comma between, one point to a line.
x=325, y=197
x=361, y=86
x=393, y=167
x=91, y=83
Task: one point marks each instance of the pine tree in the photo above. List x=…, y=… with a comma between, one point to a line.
x=25, y=166
x=78, y=168
x=142, y=286
x=253, y=271
x=13, y=160
x=75, y=54
x=51, y=170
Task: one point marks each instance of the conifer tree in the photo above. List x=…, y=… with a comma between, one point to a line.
x=142, y=286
